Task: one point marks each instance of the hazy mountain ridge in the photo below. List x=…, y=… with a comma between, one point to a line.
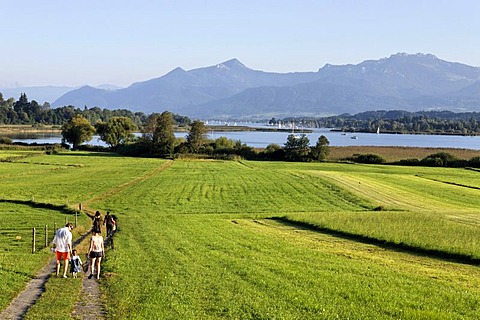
x=40, y=94
x=230, y=89
x=43, y=94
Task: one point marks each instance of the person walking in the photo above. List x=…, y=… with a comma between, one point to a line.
x=63, y=247
x=97, y=223
x=75, y=263
x=96, y=252
x=109, y=222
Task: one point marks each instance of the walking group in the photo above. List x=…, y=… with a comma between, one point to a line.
x=64, y=251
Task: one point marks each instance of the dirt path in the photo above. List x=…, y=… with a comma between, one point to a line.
x=90, y=305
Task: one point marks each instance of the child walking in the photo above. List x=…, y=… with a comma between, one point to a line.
x=75, y=264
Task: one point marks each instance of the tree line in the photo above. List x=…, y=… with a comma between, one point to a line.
x=158, y=140
x=396, y=121
x=23, y=111
x=117, y=127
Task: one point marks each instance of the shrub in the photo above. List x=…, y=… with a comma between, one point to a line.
x=439, y=159
x=409, y=162
x=474, y=162
x=134, y=149
x=368, y=158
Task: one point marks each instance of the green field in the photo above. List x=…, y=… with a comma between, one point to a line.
x=202, y=239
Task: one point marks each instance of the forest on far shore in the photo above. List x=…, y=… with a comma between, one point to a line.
x=25, y=112
x=396, y=121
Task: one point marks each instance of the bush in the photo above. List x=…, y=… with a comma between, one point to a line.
x=440, y=159
x=474, y=162
x=409, y=162
x=89, y=147
x=368, y=158
x=134, y=149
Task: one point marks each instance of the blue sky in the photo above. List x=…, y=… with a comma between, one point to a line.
x=64, y=42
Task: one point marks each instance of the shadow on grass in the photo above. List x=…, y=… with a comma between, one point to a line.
x=401, y=247
x=64, y=209
x=82, y=153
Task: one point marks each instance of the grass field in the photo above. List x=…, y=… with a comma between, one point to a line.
x=196, y=240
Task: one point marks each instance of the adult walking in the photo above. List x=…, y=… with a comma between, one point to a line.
x=109, y=222
x=97, y=223
x=63, y=247
x=96, y=252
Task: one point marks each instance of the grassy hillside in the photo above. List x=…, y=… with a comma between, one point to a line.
x=197, y=240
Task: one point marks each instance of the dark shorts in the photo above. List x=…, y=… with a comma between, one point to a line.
x=94, y=254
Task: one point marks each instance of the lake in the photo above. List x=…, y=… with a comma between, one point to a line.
x=262, y=139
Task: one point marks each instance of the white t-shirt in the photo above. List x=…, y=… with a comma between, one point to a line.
x=63, y=238
x=97, y=242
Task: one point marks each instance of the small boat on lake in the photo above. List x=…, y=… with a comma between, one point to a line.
x=353, y=137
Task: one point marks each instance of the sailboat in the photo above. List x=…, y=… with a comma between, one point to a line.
x=378, y=130
x=296, y=136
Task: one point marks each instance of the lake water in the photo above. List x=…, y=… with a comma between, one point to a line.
x=262, y=139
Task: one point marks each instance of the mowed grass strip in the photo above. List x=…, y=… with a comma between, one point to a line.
x=438, y=234
x=230, y=187
x=203, y=267
x=12, y=154
x=406, y=190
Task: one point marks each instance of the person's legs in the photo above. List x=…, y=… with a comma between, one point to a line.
x=58, y=268
x=65, y=267
x=59, y=257
x=98, y=267
x=92, y=265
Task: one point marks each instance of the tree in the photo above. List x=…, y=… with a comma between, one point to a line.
x=77, y=130
x=159, y=132
x=117, y=130
x=297, y=148
x=197, y=136
x=224, y=144
x=320, y=150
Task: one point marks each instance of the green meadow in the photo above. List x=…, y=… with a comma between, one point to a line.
x=204, y=239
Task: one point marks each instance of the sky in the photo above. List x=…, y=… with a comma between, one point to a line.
x=119, y=42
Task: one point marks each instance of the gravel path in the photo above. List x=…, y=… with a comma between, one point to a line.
x=89, y=307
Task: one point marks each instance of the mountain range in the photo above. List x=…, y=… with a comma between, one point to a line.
x=42, y=94
x=411, y=82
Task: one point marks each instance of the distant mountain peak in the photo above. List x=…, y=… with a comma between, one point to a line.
x=418, y=55
x=399, y=81
x=231, y=64
x=177, y=70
